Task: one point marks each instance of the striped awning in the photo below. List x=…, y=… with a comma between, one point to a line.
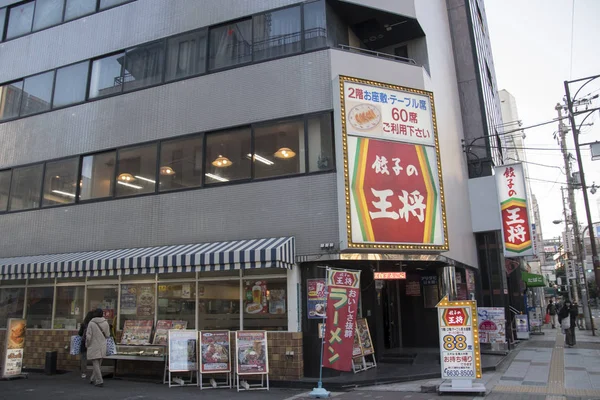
x=217, y=256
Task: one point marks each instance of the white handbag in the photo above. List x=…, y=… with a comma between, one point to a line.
x=565, y=323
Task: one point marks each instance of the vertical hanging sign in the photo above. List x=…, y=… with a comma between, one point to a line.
x=516, y=229
x=14, y=348
x=342, y=307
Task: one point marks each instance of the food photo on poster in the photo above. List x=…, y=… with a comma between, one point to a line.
x=252, y=352
x=161, y=334
x=137, y=332
x=315, y=298
x=14, y=348
x=215, y=352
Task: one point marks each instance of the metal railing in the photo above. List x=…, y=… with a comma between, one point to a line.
x=378, y=54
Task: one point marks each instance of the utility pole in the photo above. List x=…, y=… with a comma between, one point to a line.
x=572, y=289
x=562, y=130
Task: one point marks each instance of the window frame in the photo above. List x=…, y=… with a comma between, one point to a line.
x=161, y=80
x=22, y=80
x=23, y=94
x=85, y=92
x=236, y=21
x=8, y=10
x=156, y=169
x=91, y=70
x=77, y=178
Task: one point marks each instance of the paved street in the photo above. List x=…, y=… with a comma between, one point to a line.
x=540, y=369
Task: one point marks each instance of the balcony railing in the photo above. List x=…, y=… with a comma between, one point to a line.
x=378, y=54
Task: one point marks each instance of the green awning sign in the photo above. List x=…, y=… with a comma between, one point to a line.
x=532, y=280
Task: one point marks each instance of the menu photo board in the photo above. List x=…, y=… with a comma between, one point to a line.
x=356, y=347
x=163, y=326
x=252, y=353
x=215, y=352
x=362, y=330
x=182, y=350
x=316, y=298
x=14, y=348
x=137, y=332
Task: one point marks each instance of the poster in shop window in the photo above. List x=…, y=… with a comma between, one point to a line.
x=14, y=347
x=362, y=328
x=256, y=297
x=128, y=300
x=342, y=309
x=182, y=350
x=145, y=301
x=315, y=293
x=161, y=334
x=215, y=356
x=137, y=332
x=252, y=352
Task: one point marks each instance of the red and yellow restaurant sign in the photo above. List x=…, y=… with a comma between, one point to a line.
x=393, y=180
x=516, y=229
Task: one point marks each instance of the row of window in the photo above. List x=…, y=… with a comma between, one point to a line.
x=35, y=15
x=289, y=147
x=203, y=302
x=269, y=35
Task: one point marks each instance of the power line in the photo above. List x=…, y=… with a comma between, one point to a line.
x=518, y=148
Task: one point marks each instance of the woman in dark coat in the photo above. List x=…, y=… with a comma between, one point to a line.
x=573, y=312
x=565, y=313
x=83, y=350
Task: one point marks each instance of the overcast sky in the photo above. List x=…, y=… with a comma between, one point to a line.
x=531, y=44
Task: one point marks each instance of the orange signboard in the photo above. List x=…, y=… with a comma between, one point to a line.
x=389, y=275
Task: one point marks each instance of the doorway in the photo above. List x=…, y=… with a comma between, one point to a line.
x=390, y=304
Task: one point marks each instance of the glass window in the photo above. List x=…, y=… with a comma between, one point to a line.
x=265, y=304
x=25, y=187
x=2, y=21
x=71, y=84
x=104, y=298
x=219, y=305
x=79, y=8
x=47, y=13
x=60, y=182
x=106, y=76
x=181, y=163
x=4, y=188
x=37, y=93
x=69, y=310
x=228, y=156
x=137, y=170
x=97, y=176
x=315, y=25
x=231, y=44
x=177, y=301
x=279, y=149
x=10, y=100
x=277, y=33
x=137, y=302
x=320, y=143
x=39, y=307
x=186, y=55
x=20, y=19
x=12, y=301
x=144, y=65
x=111, y=3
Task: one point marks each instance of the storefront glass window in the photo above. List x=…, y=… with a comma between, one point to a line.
x=279, y=149
x=60, y=182
x=265, y=304
x=219, y=305
x=228, y=156
x=137, y=170
x=39, y=307
x=320, y=143
x=69, y=311
x=104, y=298
x=181, y=163
x=12, y=301
x=177, y=301
x=137, y=302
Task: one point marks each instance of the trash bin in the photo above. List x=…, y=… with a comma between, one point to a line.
x=51, y=360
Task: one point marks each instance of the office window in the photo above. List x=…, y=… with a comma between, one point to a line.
x=25, y=187
x=12, y=302
x=60, y=182
x=106, y=76
x=71, y=84
x=320, y=143
x=10, y=99
x=279, y=149
x=69, y=309
x=186, y=55
x=230, y=44
x=4, y=188
x=315, y=25
x=2, y=21
x=39, y=307
x=20, y=19
x=177, y=301
x=228, y=156
x=144, y=65
x=97, y=176
x=111, y=3
x=277, y=33
x=137, y=170
x=79, y=8
x=181, y=163
x=37, y=93
x=47, y=13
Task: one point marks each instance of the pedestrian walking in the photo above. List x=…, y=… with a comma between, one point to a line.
x=573, y=314
x=551, y=310
x=83, y=351
x=96, y=335
x=564, y=319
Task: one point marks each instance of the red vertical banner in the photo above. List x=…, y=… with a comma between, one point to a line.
x=343, y=289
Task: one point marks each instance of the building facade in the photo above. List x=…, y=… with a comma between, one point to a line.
x=160, y=160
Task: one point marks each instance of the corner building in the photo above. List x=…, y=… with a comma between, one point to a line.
x=159, y=158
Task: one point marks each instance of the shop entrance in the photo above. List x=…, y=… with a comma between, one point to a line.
x=390, y=303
